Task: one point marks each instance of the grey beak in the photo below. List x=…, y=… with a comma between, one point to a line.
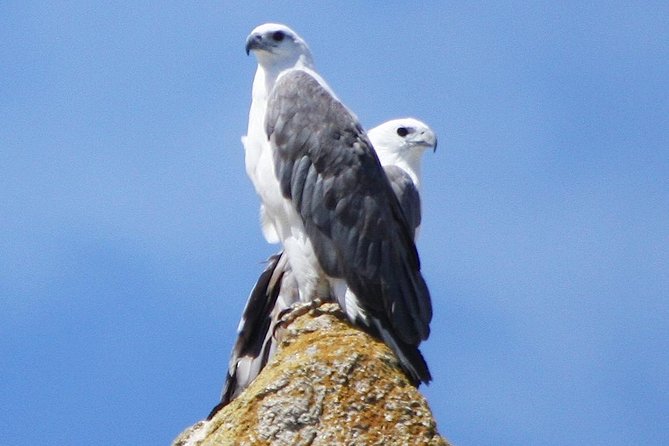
x=254, y=41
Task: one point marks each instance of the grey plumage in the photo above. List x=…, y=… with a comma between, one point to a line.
x=407, y=195
x=273, y=294
x=326, y=165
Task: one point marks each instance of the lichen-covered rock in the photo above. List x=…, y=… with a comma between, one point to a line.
x=328, y=384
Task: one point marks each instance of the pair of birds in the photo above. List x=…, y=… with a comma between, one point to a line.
x=343, y=203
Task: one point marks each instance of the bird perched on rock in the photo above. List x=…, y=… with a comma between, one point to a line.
x=325, y=197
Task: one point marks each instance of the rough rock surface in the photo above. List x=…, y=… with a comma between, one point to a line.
x=329, y=384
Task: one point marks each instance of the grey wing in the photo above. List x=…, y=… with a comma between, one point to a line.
x=327, y=167
x=274, y=292
x=407, y=194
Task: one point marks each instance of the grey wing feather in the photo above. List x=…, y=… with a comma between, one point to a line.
x=326, y=165
x=274, y=292
x=407, y=194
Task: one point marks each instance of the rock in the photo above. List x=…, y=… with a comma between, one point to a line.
x=328, y=384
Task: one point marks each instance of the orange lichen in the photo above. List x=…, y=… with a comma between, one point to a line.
x=329, y=383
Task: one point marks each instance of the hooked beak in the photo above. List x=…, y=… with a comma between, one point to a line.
x=429, y=139
x=256, y=42
x=253, y=42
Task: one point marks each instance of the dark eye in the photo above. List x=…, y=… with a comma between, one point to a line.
x=402, y=131
x=278, y=36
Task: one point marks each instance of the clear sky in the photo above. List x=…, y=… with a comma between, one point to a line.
x=129, y=236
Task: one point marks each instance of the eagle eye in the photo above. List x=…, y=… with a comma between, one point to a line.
x=402, y=131
x=278, y=36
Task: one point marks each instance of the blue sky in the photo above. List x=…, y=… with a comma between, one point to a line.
x=129, y=236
